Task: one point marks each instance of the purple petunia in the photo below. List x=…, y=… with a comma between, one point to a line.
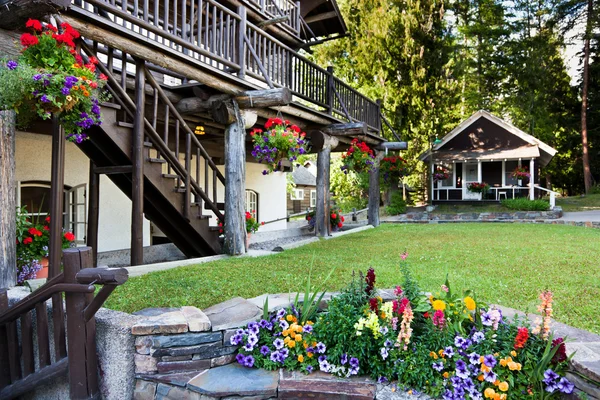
x=449, y=351
x=478, y=337
x=489, y=360
x=321, y=348
x=474, y=358
x=461, y=369
x=65, y=91
x=240, y=358
x=438, y=366
x=278, y=343
x=307, y=328
x=44, y=99
x=236, y=339
x=384, y=352
x=37, y=77
x=12, y=65
x=264, y=350
x=344, y=359
x=309, y=368
x=354, y=362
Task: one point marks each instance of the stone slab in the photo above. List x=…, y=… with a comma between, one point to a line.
x=143, y=345
x=236, y=380
x=233, y=313
x=185, y=350
x=165, y=367
x=176, y=358
x=334, y=390
x=196, y=319
x=592, y=391
x=175, y=379
x=392, y=392
x=166, y=392
x=223, y=360
x=155, y=312
x=167, y=322
x=144, y=390
x=276, y=301
x=185, y=339
x=145, y=364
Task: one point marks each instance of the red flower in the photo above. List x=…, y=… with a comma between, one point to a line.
x=333, y=216
x=269, y=123
x=521, y=338
x=78, y=59
x=426, y=314
x=343, y=219
x=27, y=240
x=103, y=77
x=370, y=280
x=374, y=305
x=91, y=67
x=308, y=218
x=561, y=352
x=47, y=219
x=93, y=60
x=262, y=223
x=27, y=39
x=70, y=30
x=34, y=24
x=278, y=121
x=69, y=236
x=340, y=224
x=248, y=215
x=34, y=232
x=46, y=228
x=93, y=85
x=66, y=39
x=52, y=28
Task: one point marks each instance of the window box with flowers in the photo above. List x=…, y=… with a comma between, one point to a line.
x=278, y=145
x=33, y=240
x=359, y=158
x=336, y=219
x=478, y=187
x=50, y=78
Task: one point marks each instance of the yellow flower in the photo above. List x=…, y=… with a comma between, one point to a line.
x=513, y=366
x=301, y=358
x=489, y=393
x=289, y=317
x=439, y=305
x=445, y=374
x=513, y=353
x=503, y=396
x=286, y=340
x=69, y=98
x=298, y=338
x=291, y=344
x=503, y=386
x=309, y=354
x=470, y=303
x=432, y=354
x=503, y=362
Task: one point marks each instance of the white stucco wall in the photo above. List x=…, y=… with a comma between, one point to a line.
x=33, y=162
x=271, y=195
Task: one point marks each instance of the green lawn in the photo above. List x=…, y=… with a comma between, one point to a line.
x=579, y=203
x=504, y=263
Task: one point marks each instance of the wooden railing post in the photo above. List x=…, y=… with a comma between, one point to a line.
x=188, y=180
x=4, y=364
x=8, y=255
x=330, y=90
x=297, y=18
x=241, y=45
x=378, y=116
x=137, y=176
x=83, y=365
x=93, y=212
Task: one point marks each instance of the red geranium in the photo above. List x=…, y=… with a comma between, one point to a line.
x=34, y=24
x=52, y=28
x=27, y=39
x=103, y=77
x=69, y=236
x=34, y=232
x=27, y=240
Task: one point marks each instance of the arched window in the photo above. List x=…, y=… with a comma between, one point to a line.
x=35, y=196
x=252, y=203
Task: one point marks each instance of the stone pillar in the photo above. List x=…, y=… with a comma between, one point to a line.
x=8, y=251
x=235, y=187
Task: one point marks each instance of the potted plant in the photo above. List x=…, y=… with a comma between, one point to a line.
x=440, y=174
x=520, y=173
x=33, y=239
x=336, y=219
x=252, y=226
x=478, y=187
x=280, y=143
x=358, y=158
x=392, y=169
x=50, y=78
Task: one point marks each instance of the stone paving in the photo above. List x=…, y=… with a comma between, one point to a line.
x=184, y=353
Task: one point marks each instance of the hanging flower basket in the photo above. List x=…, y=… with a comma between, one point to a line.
x=521, y=173
x=440, y=174
x=392, y=169
x=278, y=145
x=359, y=157
x=51, y=78
x=478, y=187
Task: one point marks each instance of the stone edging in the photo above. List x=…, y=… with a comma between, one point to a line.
x=475, y=216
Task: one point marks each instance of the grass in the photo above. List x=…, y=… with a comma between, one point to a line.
x=579, y=203
x=504, y=263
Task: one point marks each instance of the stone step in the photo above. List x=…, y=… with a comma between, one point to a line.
x=236, y=380
x=319, y=385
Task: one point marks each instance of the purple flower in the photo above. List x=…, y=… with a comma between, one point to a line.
x=253, y=328
x=384, y=352
x=236, y=339
x=264, y=350
x=322, y=358
x=252, y=339
x=354, y=370
x=283, y=324
x=278, y=343
x=388, y=343
x=324, y=366
x=344, y=359
x=461, y=369
x=275, y=356
x=309, y=368
x=240, y=358
x=70, y=81
x=307, y=328
x=280, y=313
x=46, y=82
x=478, y=337
x=44, y=99
x=265, y=172
x=249, y=361
x=248, y=347
x=460, y=341
x=489, y=360
x=65, y=91
x=382, y=379
x=383, y=330
x=354, y=362
x=37, y=77
x=12, y=65
x=449, y=351
x=321, y=348
x=438, y=366
x=490, y=376
x=284, y=352
x=565, y=386
x=474, y=358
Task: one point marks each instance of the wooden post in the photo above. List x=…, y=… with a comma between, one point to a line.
x=241, y=44
x=374, y=192
x=83, y=382
x=8, y=250
x=137, y=176
x=4, y=364
x=329, y=90
x=324, y=143
x=93, y=212
x=235, y=186
x=531, y=179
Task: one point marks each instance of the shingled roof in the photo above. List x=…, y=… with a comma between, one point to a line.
x=302, y=176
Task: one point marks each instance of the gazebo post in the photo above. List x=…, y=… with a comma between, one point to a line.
x=531, y=179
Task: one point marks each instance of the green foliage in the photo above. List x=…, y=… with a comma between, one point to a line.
x=349, y=190
x=397, y=204
x=595, y=189
x=524, y=204
x=310, y=302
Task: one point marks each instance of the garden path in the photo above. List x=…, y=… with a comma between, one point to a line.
x=582, y=216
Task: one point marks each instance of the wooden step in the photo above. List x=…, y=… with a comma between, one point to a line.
x=110, y=105
x=170, y=176
x=179, y=190
x=148, y=144
x=156, y=160
x=125, y=124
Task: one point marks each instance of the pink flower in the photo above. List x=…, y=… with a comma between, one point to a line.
x=445, y=288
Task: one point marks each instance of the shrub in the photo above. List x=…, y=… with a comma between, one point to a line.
x=397, y=204
x=524, y=204
x=595, y=189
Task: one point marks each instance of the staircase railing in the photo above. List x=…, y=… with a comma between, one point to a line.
x=211, y=35
x=74, y=350
x=174, y=128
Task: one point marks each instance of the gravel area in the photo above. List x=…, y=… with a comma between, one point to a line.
x=271, y=244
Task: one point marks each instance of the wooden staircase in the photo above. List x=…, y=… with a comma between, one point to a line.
x=179, y=196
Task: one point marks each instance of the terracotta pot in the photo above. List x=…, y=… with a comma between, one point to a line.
x=43, y=273
x=248, y=235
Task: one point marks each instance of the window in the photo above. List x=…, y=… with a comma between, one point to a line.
x=509, y=167
x=35, y=196
x=297, y=194
x=313, y=198
x=252, y=203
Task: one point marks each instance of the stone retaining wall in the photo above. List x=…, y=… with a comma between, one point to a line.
x=485, y=216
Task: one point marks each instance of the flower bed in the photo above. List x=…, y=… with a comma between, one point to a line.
x=447, y=344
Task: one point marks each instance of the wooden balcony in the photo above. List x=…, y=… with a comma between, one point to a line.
x=226, y=51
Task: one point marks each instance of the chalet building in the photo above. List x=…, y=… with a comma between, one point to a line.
x=304, y=195
x=485, y=148
x=148, y=174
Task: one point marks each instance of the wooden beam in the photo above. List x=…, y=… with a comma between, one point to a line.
x=346, y=129
x=137, y=175
x=8, y=250
x=273, y=21
x=249, y=99
x=321, y=17
x=93, y=213
x=392, y=146
x=319, y=140
x=14, y=14
x=235, y=187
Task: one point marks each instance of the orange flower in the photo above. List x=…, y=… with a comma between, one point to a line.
x=503, y=386
x=300, y=358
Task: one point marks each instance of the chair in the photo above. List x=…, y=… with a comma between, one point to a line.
x=500, y=194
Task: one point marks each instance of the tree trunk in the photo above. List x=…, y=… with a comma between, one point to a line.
x=587, y=173
x=374, y=192
x=324, y=144
x=8, y=250
x=235, y=187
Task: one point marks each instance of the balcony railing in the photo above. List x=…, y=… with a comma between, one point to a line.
x=212, y=35
x=280, y=8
